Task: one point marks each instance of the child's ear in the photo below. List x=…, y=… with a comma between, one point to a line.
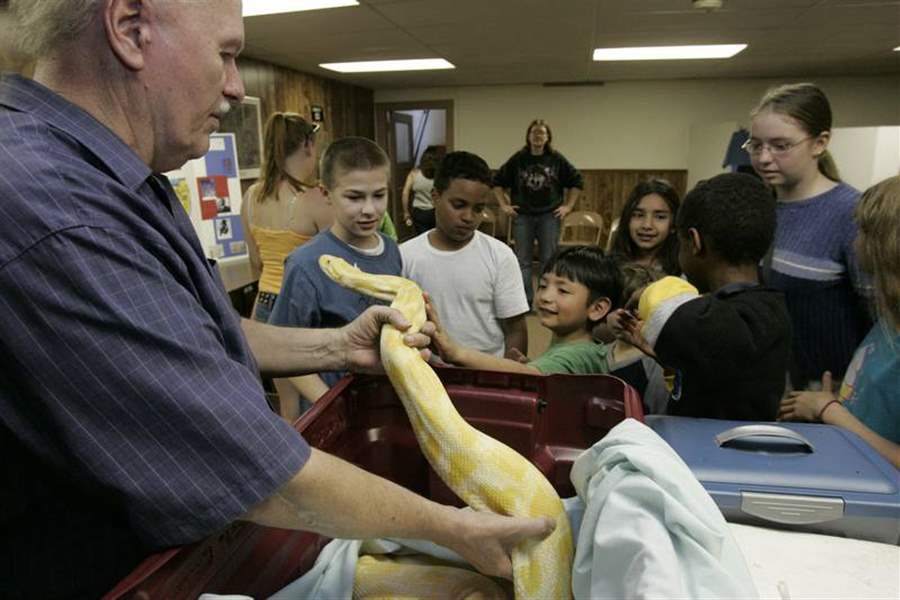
x=695, y=241
x=598, y=309
x=820, y=143
x=325, y=193
x=435, y=196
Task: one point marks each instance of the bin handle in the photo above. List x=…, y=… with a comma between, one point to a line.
x=744, y=431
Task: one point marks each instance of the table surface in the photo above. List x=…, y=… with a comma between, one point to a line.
x=791, y=565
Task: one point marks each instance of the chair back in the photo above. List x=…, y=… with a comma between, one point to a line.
x=612, y=232
x=488, y=222
x=581, y=227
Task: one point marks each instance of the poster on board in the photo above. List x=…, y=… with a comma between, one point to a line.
x=209, y=189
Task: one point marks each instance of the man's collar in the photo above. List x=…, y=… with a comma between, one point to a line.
x=28, y=96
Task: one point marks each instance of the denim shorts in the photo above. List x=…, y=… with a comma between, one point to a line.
x=265, y=302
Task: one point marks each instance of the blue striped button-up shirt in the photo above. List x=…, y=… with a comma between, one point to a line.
x=131, y=411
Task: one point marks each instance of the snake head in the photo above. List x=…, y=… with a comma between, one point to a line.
x=334, y=266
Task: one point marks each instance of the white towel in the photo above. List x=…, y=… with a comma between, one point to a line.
x=644, y=527
x=650, y=530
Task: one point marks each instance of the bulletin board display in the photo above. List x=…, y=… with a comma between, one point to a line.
x=210, y=192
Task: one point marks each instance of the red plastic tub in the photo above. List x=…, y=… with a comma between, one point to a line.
x=549, y=419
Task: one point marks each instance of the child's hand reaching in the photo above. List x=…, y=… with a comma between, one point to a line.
x=516, y=355
x=615, y=320
x=806, y=405
x=445, y=347
x=631, y=332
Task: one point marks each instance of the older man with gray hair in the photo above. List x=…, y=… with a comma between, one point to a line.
x=131, y=413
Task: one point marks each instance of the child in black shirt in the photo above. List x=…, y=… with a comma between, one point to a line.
x=729, y=346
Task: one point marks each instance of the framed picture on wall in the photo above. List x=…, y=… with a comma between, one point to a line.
x=245, y=122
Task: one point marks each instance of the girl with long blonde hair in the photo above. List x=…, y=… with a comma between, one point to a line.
x=868, y=402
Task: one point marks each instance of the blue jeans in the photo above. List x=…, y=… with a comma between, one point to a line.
x=423, y=220
x=543, y=227
x=265, y=302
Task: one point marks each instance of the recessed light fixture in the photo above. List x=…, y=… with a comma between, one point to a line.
x=668, y=52
x=253, y=8
x=374, y=66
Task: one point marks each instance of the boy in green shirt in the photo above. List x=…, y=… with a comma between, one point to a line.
x=578, y=287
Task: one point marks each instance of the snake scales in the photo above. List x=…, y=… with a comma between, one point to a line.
x=486, y=474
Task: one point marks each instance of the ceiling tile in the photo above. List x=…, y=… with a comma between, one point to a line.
x=532, y=41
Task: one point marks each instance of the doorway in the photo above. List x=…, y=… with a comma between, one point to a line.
x=405, y=130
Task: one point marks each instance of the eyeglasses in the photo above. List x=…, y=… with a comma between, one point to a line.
x=755, y=147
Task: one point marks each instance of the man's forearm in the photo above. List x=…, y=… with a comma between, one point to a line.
x=337, y=499
x=289, y=351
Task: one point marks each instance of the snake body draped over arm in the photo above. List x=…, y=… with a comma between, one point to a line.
x=485, y=473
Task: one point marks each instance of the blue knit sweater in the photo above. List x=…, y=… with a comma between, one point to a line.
x=828, y=298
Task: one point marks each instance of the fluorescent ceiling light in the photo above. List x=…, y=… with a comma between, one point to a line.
x=253, y=8
x=897, y=49
x=373, y=66
x=668, y=52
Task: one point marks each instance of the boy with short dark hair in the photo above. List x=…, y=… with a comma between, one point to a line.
x=355, y=176
x=473, y=278
x=577, y=289
x=731, y=345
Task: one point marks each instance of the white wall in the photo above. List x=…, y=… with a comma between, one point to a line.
x=435, y=132
x=866, y=155
x=707, y=144
x=634, y=124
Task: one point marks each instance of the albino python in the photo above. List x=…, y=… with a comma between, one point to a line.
x=486, y=474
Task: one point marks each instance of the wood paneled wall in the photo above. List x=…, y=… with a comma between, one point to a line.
x=606, y=190
x=349, y=109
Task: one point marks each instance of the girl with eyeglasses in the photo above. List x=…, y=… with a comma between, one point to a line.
x=812, y=260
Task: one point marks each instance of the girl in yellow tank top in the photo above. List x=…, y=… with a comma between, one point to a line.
x=280, y=211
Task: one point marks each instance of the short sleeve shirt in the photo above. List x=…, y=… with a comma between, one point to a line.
x=131, y=411
x=473, y=288
x=309, y=298
x=579, y=358
x=870, y=387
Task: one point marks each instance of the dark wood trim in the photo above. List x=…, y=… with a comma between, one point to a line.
x=383, y=108
x=381, y=111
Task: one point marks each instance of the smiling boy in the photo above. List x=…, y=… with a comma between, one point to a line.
x=472, y=277
x=355, y=174
x=578, y=288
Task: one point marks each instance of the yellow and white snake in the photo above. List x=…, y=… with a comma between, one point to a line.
x=485, y=473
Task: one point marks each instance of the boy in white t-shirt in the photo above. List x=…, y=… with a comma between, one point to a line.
x=473, y=278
